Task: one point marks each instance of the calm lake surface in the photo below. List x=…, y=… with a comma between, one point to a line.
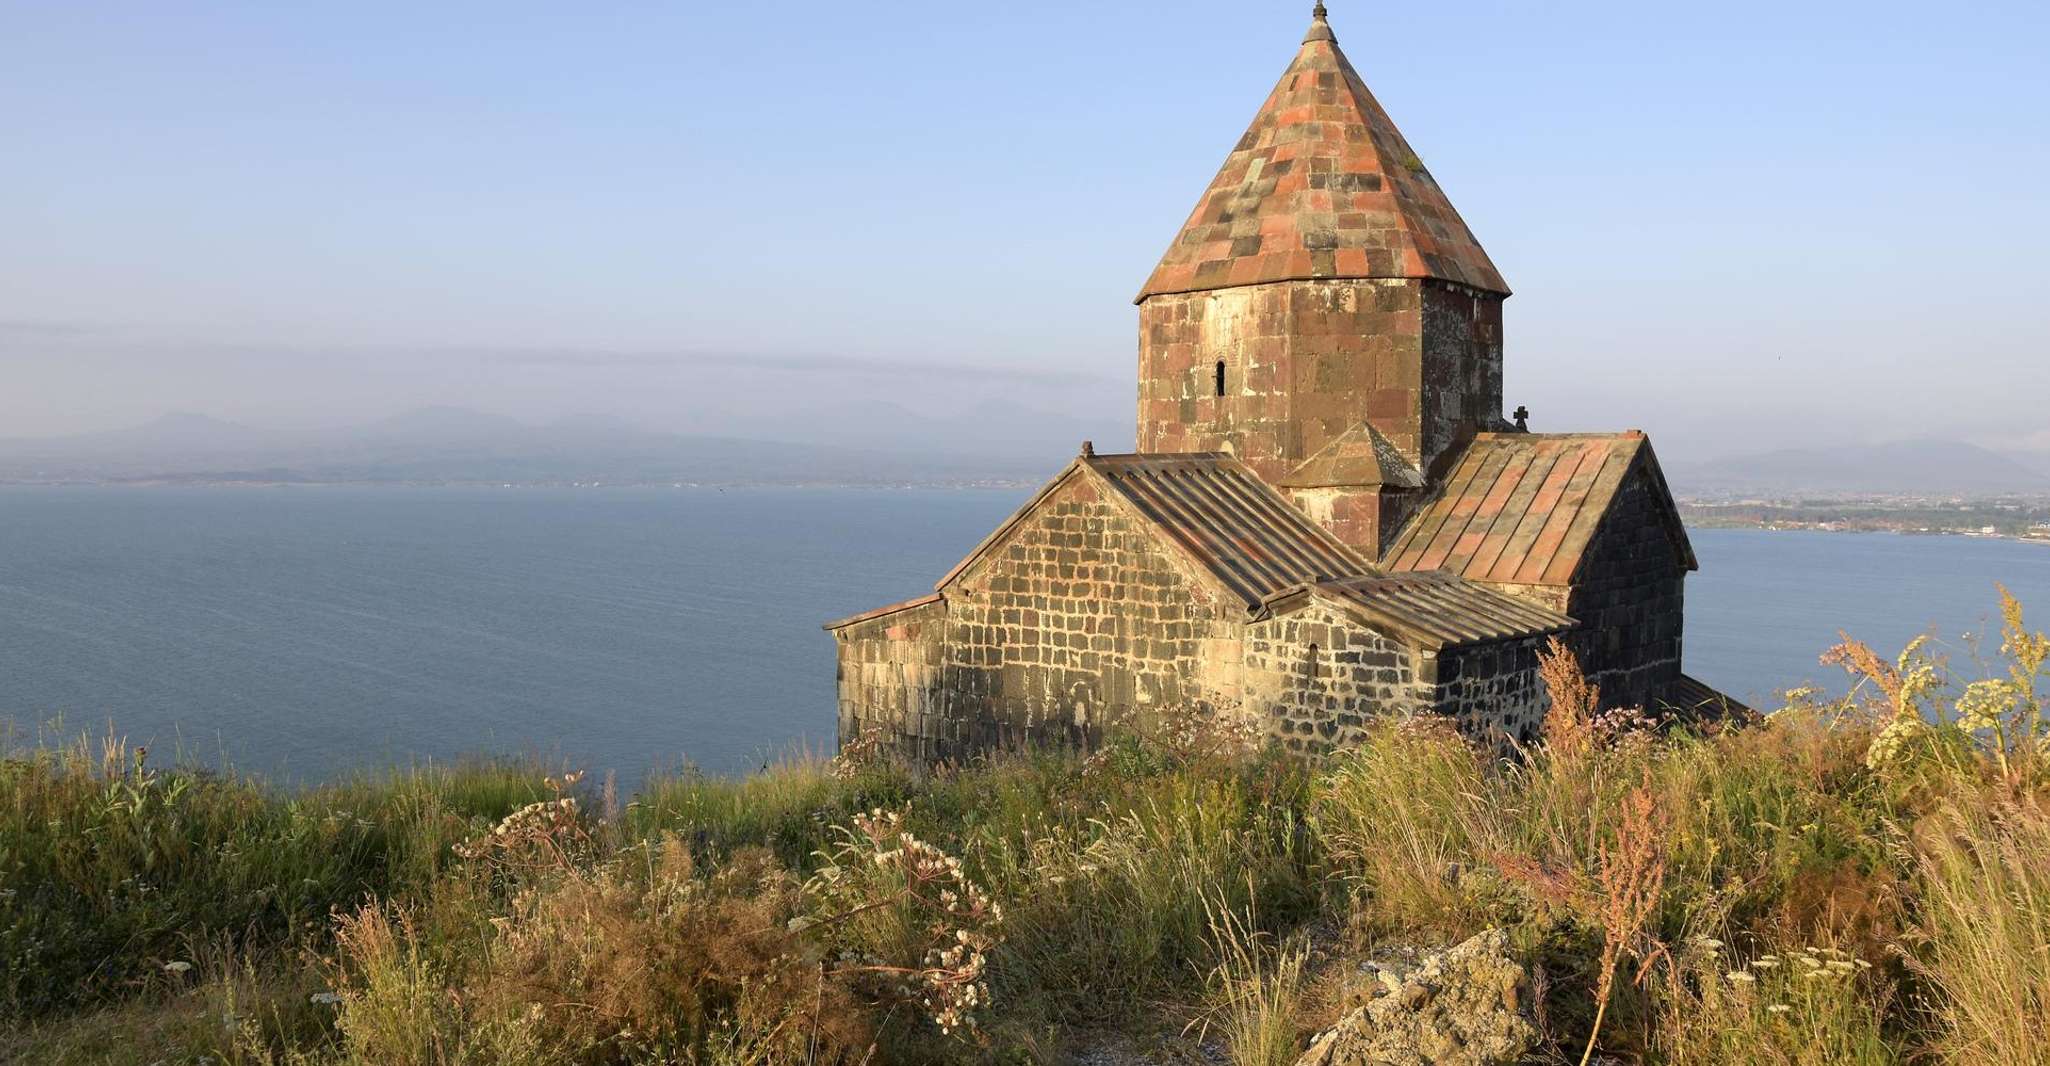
x=304, y=632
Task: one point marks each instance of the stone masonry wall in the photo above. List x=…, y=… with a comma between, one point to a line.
x=1009, y=661
x=1462, y=366
x=889, y=676
x=1316, y=678
x=1493, y=689
x=1353, y=515
x=1304, y=361
x=1367, y=518
x=1078, y=621
x=1629, y=598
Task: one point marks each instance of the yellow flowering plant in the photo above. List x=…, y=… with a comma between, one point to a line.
x=2001, y=717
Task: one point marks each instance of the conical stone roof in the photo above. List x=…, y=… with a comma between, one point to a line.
x=1322, y=185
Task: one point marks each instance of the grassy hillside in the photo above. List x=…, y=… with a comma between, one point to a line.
x=1844, y=883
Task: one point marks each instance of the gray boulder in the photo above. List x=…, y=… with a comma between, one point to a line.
x=1462, y=1007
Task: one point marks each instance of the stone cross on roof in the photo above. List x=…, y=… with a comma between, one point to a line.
x=1320, y=30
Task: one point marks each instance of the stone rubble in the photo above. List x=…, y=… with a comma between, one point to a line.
x=1466, y=1006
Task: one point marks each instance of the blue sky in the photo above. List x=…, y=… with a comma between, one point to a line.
x=1738, y=226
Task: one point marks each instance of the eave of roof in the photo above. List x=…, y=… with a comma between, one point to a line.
x=1431, y=609
x=883, y=612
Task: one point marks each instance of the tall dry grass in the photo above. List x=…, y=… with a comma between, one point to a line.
x=1781, y=1005
x=1666, y=885
x=1114, y=898
x=1982, y=939
x=114, y=868
x=1257, y=989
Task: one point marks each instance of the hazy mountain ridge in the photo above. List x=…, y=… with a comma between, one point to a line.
x=848, y=444
x=456, y=444
x=1903, y=467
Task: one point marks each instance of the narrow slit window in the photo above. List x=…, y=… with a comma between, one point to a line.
x=1316, y=665
x=1220, y=377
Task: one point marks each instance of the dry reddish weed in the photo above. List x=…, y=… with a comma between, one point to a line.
x=1631, y=874
x=1569, y=721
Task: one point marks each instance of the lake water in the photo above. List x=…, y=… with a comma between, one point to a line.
x=302, y=632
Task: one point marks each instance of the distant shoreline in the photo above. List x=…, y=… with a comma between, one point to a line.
x=2016, y=517
x=1958, y=533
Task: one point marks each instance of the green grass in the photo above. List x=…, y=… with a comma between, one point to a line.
x=115, y=870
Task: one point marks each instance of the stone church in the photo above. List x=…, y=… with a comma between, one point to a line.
x=1328, y=518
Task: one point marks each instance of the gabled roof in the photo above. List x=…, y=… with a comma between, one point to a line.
x=1434, y=608
x=1221, y=516
x=1322, y=185
x=1521, y=508
x=1257, y=547
x=1360, y=456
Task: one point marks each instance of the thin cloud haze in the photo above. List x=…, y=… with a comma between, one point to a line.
x=972, y=371
x=33, y=330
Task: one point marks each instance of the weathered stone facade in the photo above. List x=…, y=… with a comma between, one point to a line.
x=1462, y=379
x=1493, y=689
x=1079, y=620
x=1322, y=677
x=889, y=674
x=1092, y=610
x=1272, y=373
x=1630, y=598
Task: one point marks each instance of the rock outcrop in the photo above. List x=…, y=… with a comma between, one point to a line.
x=1462, y=1007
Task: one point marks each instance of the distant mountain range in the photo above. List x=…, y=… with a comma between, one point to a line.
x=987, y=428
x=1932, y=467
x=445, y=444
x=850, y=445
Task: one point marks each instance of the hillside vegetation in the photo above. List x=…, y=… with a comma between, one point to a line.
x=1858, y=881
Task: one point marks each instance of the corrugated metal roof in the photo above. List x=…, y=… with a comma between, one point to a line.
x=1443, y=608
x=1521, y=508
x=1229, y=520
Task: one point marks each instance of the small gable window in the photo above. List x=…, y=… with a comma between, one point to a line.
x=1220, y=377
